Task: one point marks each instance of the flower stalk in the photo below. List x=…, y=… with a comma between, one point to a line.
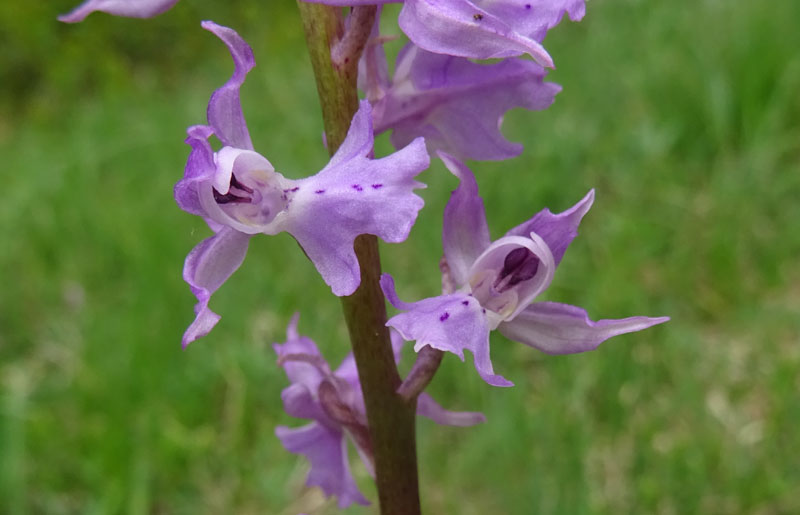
x=391, y=417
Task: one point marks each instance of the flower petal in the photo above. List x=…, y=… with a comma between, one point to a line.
x=563, y=329
x=354, y=195
x=373, y=69
x=458, y=105
x=461, y=28
x=200, y=167
x=465, y=234
x=127, y=8
x=359, y=140
x=310, y=370
x=326, y=450
x=207, y=266
x=450, y=323
x=299, y=402
x=535, y=18
x=559, y=230
x=427, y=407
x=225, y=108
x=349, y=3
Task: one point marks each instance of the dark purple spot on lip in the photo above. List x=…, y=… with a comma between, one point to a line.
x=357, y=187
x=377, y=186
x=319, y=192
x=292, y=190
x=444, y=316
x=465, y=302
x=483, y=310
x=527, y=6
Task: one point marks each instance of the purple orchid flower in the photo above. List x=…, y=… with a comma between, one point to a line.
x=492, y=286
x=240, y=194
x=333, y=401
x=480, y=29
x=456, y=104
x=127, y=8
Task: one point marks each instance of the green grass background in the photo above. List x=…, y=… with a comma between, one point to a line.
x=684, y=115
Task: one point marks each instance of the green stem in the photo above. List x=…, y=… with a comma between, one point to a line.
x=391, y=418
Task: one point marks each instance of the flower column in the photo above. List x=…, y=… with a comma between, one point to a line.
x=334, y=57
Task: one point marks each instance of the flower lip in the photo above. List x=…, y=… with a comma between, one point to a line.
x=510, y=273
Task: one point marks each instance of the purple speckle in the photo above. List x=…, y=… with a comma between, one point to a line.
x=527, y=6
x=319, y=192
x=357, y=187
x=444, y=316
x=465, y=302
x=483, y=310
x=377, y=186
x=292, y=190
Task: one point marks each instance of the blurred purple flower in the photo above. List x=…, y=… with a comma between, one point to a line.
x=239, y=194
x=493, y=285
x=127, y=8
x=333, y=401
x=456, y=104
x=480, y=29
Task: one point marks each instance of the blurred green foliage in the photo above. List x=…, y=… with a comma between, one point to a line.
x=683, y=115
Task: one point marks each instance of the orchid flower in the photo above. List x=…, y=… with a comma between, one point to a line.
x=456, y=104
x=480, y=29
x=333, y=401
x=492, y=285
x=127, y=8
x=239, y=193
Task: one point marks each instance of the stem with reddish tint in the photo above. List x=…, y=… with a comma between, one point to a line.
x=391, y=417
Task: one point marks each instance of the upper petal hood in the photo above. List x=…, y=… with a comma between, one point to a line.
x=489, y=267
